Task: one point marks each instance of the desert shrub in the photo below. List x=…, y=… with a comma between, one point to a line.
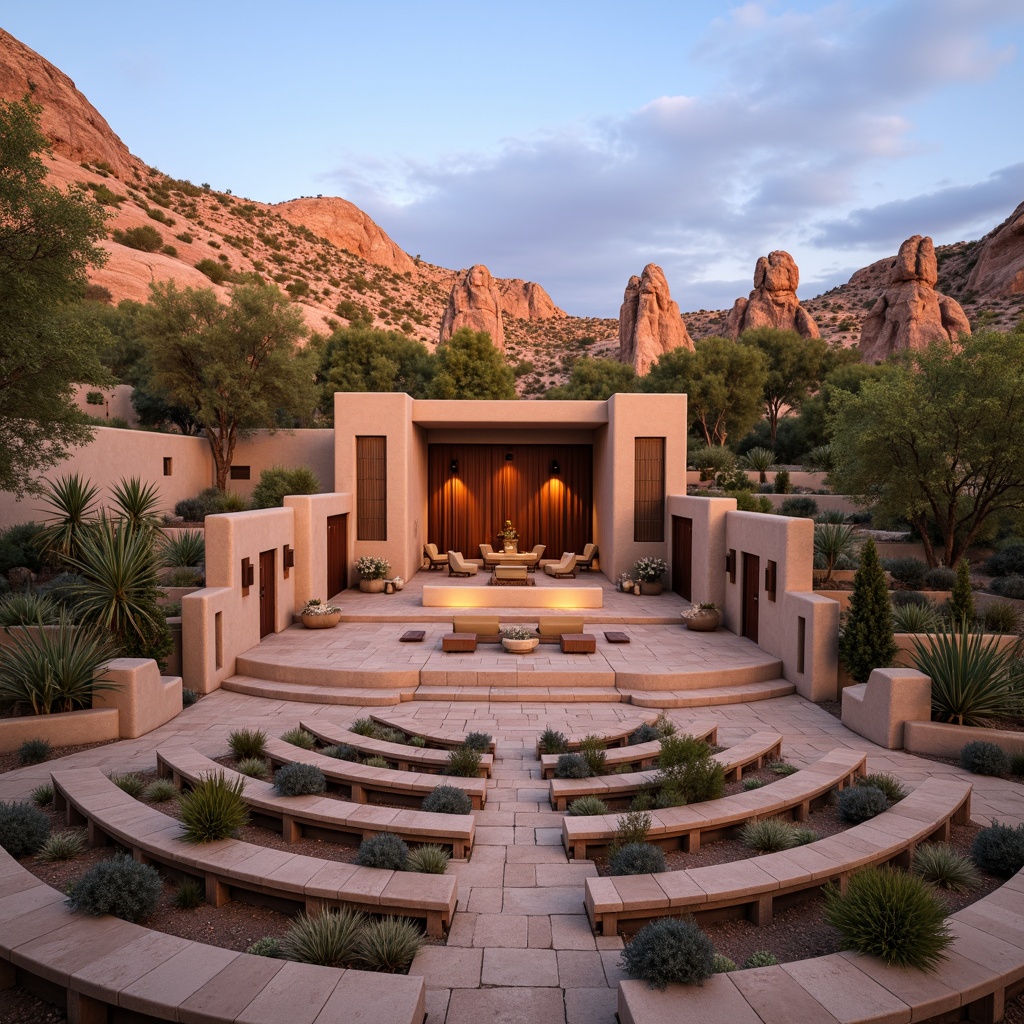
x=34, y=751
x=417, y=741
x=942, y=865
x=119, y=886
x=267, y=946
x=276, y=482
x=463, y=762
x=690, y=779
x=384, y=850
x=999, y=849
x=636, y=859
x=478, y=741
x=388, y=944
x=328, y=939
x=428, y=860
x=390, y=735
x=631, y=828
x=217, y=272
x=378, y=762
x=188, y=895
x=800, y=507
x=669, y=950
x=253, y=767
x=909, y=572
x=298, y=737
x=858, y=803
x=1008, y=562
x=183, y=547
x=647, y=733
x=901, y=598
x=592, y=749
x=768, y=835
x=722, y=964
x=586, y=805
x=1001, y=617
x=144, y=238
x=63, y=845
x=297, y=779
x=891, y=915
x=887, y=783
x=664, y=725
x=762, y=958
x=189, y=697
x=782, y=768
x=159, y=791
x=23, y=828
x=552, y=742
x=939, y=578
x=1009, y=586
x=803, y=835
x=915, y=618
x=341, y=751
x=213, y=809
x=752, y=783
x=1017, y=764
x=448, y=800
x=681, y=749
x=248, y=743
x=131, y=782
x=983, y=758
x=18, y=548
x=43, y=794
x=572, y=766
x=365, y=727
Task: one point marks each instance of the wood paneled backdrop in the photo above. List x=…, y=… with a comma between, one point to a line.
x=469, y=507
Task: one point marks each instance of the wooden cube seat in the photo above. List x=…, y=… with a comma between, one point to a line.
x=578, y=643
x=461, y=643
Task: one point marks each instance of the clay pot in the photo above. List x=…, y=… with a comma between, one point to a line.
x=651, y=589
x=520, y=646
x=321, y=621
x=371, y=586
x=706, y=621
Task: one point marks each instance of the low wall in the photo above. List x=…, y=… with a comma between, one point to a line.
x=65, y=729
x=941, y=739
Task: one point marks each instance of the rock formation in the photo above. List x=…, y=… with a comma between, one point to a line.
x=649, y=321
x=773, y=302
x=526, y=300
x=910, y=313
x=1000, y=267
x=474, y=302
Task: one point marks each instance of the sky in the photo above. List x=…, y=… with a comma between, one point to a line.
x=572, y=143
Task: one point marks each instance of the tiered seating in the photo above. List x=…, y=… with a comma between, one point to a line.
x=435, y=738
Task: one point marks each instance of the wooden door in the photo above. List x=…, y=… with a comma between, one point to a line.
x=268, y=592
x=751, y=594
x=337, y=554
x=682, y=556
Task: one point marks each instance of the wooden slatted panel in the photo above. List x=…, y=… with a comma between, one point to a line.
x=371, y=488
x=649, y=489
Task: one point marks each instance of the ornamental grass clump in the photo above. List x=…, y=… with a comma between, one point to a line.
x=131, y=783
x=887, y=783
x=33, y=751
x=428, y=860
x=23, y=828
x=43, y=794
x=384, y=850
x=388, y=944
x=63, y=846
x=297, y=779
x=188, y=895
x=248, y=743
x=213, y=809
x=253, y=767
x=341, y=751
x=646, y=733
x=859, y=803
x=478, y=741
x=572, y=766
x=380, y=762
x=669, y=950
x=298, y=737
x=328, y=939
x=587, y=805
x=553, y=742
x=768, y=835
x=463, y=762
x=119, y=886
x=983, y=758
x=999, y=849
x=447, y=800
x=160, y=791
x=365, y=727
x=892, y=915
x=636, y=859
x=945, y=867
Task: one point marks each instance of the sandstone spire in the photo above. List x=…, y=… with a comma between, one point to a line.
x=474, y=302
x=649, y=321
x=773, y=302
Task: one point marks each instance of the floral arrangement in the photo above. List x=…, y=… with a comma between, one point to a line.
x=317, y=607
x=517, y=633
x=370, y=567
x=699, y=609
x=649, y=570
x=509, y=532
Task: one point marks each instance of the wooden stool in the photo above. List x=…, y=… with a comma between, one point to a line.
x=578, y=643
x=458, y=642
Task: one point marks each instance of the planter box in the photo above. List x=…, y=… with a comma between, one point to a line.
x=651, y=589
x=321, y=621
x=941, y=739
x=704, y=622
x=66, y=729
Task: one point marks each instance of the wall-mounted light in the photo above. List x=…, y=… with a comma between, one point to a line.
x=509, y=456
x=248, y=575
x=454, y=467
x=555, y=467
x=288, y=559
x=730, y=564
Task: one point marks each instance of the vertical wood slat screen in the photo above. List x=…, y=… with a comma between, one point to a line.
x=649, y=489
x=371, y=488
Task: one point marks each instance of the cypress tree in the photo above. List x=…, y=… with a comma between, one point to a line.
x=866, y=641
x=961, y=601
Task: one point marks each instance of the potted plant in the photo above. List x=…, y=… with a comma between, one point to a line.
x=702, y=618
x=626, y=583
x=519, y=639
x=509, y=536
x=373, y=571
x=318, y=615
x=649, y=572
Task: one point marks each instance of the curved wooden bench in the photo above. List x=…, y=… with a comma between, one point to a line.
x=103, y=964
x=298, y=814
x=436, y=738
x=425, y=759
x=735, y=760
x=87, y=797
x=683, y=827
x=754, y=885
x=634, y=753
x=618, y=737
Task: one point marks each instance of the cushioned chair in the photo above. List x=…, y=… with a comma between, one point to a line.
x=490, y=556
x=535, y=554
x=459, y=566
x=564, y=569
x=588, y=558
x=435, y=560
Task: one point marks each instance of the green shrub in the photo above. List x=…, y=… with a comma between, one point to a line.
x=552, y=742
x=1009, y=586
x=428, y=860
x=209, y=502
x=63, y=846
x=768, y=835
x=782, y=484
x=664, y=725
x=1017, y=764
x=341, y=751
x=253, y=767
x=915, y=618
x=183, y=547
x=800, y=507
x=390, y=735
x=939, y=578
x=380, y=762
x=189, y=697
x=910, y=572
x=752, y=783
x=572, y=766
x=669, y=950
x=159, y=791
x=328, y=939
x=23, y=828
x=983, y=758
x=1008, y=562
x=384, y=850
x=463, y=762
x=631, y=828
x=722, y=964
x=636, y=859
x=298, y=737
x=268, y=946
x=448, y=800
x=276, y=482
x=417, y=741
x=891, y=915
x=858, y=803
x=28, y=609
x=803, y=835
x=18, y=548
x=592, y=749
x=188, y=895
x=681, y=750
x=213, y=809
x=998, y=849
x=365, y=727
x=887, y=783
x=943, y=866
x=144, y=238
x=248, y=743
x=297, y=779
x=43, y=794
x=478, y=741
x=866, y=640
x=218, y=273
x=762, y=958
x=587, y=805
x=1001, y=617
x=904, y=597
x=646, y=733
x=34, y=751
x=388, y=944
x=782, y=768
x=690, y=782
x=961, y=600
x=131, y=782
x=119, y=886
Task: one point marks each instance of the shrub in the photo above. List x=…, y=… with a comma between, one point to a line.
x=891, y=915
x=762, y=958
x=119, y=886
x=943, y=866
x=448, y=800
x=1017, y=764
x=636, y=859
x=365, y=727
x=858, y=803
x=388, y=944
x=803, y=835
x=901, y=598
x=669, y=950
x=915, y=618
x=276, y=482
x=18, y=548
x=217, y=272
x=643, y=801
x=379, y=762
x=34, y=751
x=961, y=600
x=647, y=733
x=800, y=507
x=267, y=946
x=939, y=578
x=189, y=697
x=722, y=964
x=248, y=743
x=1001, y=617
x=752, y=783
x=390, y=735
x=1009, y=586
x=909, y=572
x=417, y=741
x=552, y=742
x=664, y=725
x=887, y=783
x=983, y=758
x=253, y=767
x=384, y=850
x=23, y=828
x=463, y=762
x=28, y=609
x=572, y=766
x=782, y=768
x=782, y=483
x=689, y=781
x=63, y=846
x=341, y=751
x=478, y=741
x=208, y=502
x=131, y=782
x=298, y=737
x=428, y=860
x=1008, y=562
x=188, y=895
x=587, y=805
x=183, y=547
x=159, y=791
x=768, y=835
x=866, y=641
x=999, y=849
x=213, y=809
x=632, y=828
x=43, y=794
x=297, y=779
x=592, y=749
x=328, y=939
x=144, y=238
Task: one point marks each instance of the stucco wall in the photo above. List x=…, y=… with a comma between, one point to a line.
x=311, y=514
x=293, y=448
x=708, y=577
x=117, y=402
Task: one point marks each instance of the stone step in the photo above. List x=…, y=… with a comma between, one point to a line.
x=310, y=694
x=513, y=678
x=519, y=694
x=737, y=694
x=762, y=670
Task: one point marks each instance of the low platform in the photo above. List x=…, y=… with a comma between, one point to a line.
x=439, y=596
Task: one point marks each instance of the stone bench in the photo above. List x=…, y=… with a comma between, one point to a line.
x=106, y=968
x=297, y=814
x=424, y=759
x=879, y=708
x=685, y=827
x=754, y=886
x=734, y=760
x=436, y=738
x=634, y=753
x=86, y=796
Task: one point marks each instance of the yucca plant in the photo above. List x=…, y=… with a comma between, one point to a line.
x=428, y=860
x=28, y=609
x=388, y=944
x=759, y=459
x=183, y=547
x=830, y=515
x=821, y=458
x=213, y=809
x=43, y=794
x=942, y=865
x=72, y=502
x=328, y=939
x=248, y=743
x=587, y=805
x=137, y=503
x=832, y=543
x=915, y=618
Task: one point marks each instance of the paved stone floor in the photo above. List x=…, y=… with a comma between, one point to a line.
x=520, y=949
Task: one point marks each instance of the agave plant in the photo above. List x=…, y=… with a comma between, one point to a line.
x=915, y=618
x=72, y=504
x=821, y=459
x=760, y=459
x=183, y=547
x=832, y=542
x=28, y=610
x=137, y=503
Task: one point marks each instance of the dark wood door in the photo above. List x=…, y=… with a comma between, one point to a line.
x=268, y=592
x=337, y=554
x=751, y=594
x=682, y=556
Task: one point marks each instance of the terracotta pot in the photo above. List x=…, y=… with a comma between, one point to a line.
x=321, y=621
x=371, y=586
x=520, y=646
x=704, y=621
x=651, y=589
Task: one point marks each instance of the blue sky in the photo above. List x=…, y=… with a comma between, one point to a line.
x=572, y=143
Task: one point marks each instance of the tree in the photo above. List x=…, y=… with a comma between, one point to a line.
x=937, y=439
x=48, y=242
x=961, y=600
x=723, y=383
x=595, y=380
x=469, y=366
x=867, y=641
x=794, y=368
x=237, y=368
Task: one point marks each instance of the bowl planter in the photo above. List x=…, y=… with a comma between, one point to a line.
x=321, y=621
x=520, y=646
x=371, y=586
x=651, y=589
x=706, y=620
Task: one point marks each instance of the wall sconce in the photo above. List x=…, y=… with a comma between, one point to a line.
x=770, y=578
x=730, y=564
x=555, y=467
x=454, y=467
x=509, y=456
x=248, y=575
x=288, y=559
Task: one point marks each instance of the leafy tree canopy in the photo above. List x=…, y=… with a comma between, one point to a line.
x=469, y=366
x=595, y=380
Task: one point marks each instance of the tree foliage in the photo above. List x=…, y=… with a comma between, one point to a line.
x=867, y=642
x=595, y=380
x=469, y=366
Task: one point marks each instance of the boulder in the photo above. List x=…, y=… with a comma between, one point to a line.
x=773, y=302
x=1000, y=268
x=526, y=300
x=474, y=302
x=650, y=323
x=910, y=313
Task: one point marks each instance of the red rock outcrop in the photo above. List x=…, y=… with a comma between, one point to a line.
x=910, y=313
x=526, y=300
x=75, y=128
x=1000, y=267
x=650, y=323
x=475, y=302
x=773, y=302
